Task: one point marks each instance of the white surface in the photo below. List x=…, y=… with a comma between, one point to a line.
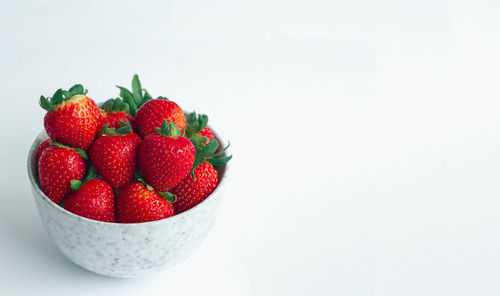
x=365, y=134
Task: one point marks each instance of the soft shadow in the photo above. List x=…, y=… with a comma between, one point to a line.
x=31, y=252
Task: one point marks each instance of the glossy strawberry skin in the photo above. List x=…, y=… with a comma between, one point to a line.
x=191, y=192
x=113, y=119
x=56, y=168
x=165, y=161
x=207, y=133
x=45, y=144
x=74, y=122
x=136, y=203
x=152, y=114
x=94, y=200
x=114, y=157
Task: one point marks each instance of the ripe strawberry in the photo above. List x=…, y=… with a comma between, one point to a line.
x=41, y=148
x=203, y=179
x=58, y=165
x=95, y=199
x=165, y=158
x=197, y=130
x=72, y=118
x=207, y=133
x=114, y=155
x=152, y=114
x=138, y=202
x=113, y=111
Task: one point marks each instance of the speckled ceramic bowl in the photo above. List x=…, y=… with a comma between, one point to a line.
x=124, y=250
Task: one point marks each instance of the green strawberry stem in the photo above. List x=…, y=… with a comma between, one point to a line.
x=91, y=174
x=168, y=129
x=80, y=152
x=125, y=128
x=77, y=184
x=60, y=96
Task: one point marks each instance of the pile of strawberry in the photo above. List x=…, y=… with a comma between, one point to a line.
x=135, y=159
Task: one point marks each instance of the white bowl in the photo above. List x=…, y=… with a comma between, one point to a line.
x=124, y=250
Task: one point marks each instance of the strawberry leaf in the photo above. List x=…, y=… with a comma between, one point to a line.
x=126, y=95
x=219, y=160
x=80, y=152
x=147, y=97
x=45, y=103
x=198, y=140
x=136, y=90
x=171, y=198
x=207, y=153
x=194, y=124
x=57, y=98
x=75, y=184
x=91, y=174
x=77, y=89
x=168, y=129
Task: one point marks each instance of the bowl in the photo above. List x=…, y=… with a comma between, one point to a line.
x=124, y=250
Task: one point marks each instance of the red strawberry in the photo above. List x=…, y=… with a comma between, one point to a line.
x=191, y=191
x=58, y=165
x=114, y=155
x=41, y=148
x=165, y=158
x=197, y=130
x=138, y=202
x=153, y=113
x=203, y=180
x=72, y=118
x=207, y=133
x=95, y=200
x=113, y=111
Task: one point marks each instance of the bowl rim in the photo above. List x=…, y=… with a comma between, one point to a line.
x=35, y=184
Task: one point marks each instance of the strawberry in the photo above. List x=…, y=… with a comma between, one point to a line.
x=138, y=202
x=151, y=115
x=207, y=133
x=41, y=148
x=197, y=130
x=165, y=158
x=58, y=165
x=72, y=118
x=94, y=199
x=113, y=111
x=114, y=154
x=203, y=178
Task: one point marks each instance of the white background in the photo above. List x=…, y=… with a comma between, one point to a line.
x=365, y=134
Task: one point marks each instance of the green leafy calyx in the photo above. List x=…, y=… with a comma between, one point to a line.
x=75, y=184
x=168, y=129
x=208, y=153
x=80, y=152
x=135, y=98
x=115, y=105
x=49, y=103
x=125, y=128
x=195, y=123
